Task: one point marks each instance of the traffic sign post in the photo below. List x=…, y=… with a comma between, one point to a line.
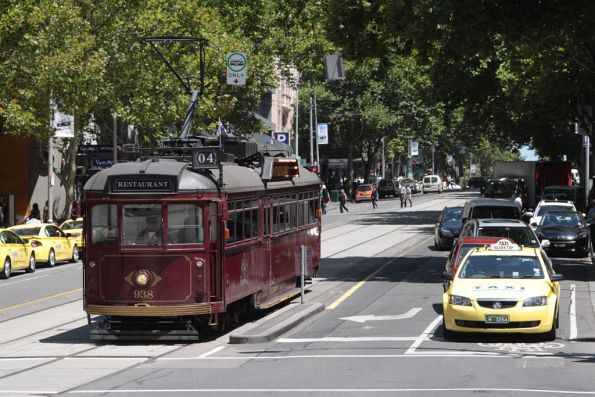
x=237, y=68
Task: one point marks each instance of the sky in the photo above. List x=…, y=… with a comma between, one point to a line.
x=528, y=154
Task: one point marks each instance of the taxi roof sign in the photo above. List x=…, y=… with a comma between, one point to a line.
x=504, y=245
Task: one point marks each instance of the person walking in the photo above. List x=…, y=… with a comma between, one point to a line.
x=324, y=198
x=374, y=196
x=342, y=201
x=518, y=201
x=403, y=195
x=408, y=196
x=34, y=215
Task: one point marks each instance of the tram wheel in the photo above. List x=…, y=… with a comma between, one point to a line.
x=31, y=267
x=52, y=258
x=6, y=272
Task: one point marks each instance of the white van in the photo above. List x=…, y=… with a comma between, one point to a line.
x=432, y=183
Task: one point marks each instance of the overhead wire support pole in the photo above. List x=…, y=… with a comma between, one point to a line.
x=316, y=129
x=311, y=133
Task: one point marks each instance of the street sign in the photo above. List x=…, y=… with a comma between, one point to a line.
x=414, y=148
x=334, y=67
x=281, y=136
x=322, y=131
x=237, y=68
x=586, y=141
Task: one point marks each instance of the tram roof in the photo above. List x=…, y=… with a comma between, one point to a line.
x=236, y=178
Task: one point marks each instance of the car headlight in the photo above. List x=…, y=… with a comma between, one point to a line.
x=459, y=300
x=536, y=301
x=445, y=232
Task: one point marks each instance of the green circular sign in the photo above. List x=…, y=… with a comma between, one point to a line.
x=236, y=62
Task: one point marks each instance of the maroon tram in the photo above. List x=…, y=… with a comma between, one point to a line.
x=173, y=247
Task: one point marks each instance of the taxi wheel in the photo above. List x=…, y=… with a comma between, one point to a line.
x=75, y=254
x=31, y=267
x=551, y=334
x=6, y=272
x=52, y=258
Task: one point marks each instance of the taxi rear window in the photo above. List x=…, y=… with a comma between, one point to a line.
x=502, y=267
x=33, y=231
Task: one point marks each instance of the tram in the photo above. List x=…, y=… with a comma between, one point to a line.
x=175, y=246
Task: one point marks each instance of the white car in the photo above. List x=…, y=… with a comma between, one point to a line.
x=547, y=205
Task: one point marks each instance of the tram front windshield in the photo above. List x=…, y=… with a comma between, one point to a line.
x=148, y=224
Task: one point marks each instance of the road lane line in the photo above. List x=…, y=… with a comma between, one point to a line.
x=40, y=300
x=348, y=339
x=424, y=335
x=215, y=350
x=24, y=280
x=573, y=331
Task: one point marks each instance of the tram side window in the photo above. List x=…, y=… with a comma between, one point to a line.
x=185, y=224
x=243, y=221
x=312, y=213
x=104, y=224
x=294, y=212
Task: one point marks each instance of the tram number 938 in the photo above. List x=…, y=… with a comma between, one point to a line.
x=142, y=294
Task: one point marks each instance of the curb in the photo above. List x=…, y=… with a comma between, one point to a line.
x=250, y=333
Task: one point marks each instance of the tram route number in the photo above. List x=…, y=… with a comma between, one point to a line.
x=142, y=294
x=205, y=157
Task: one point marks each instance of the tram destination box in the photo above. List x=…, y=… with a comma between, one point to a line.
x=279, y=169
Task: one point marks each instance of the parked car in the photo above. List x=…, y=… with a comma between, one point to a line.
x=388, y=187
x=432, y=183
x=572, y=194
x=75, y=229
x=514, y=229
x=490, y=208
x=363, y=192
x=502, y=288
x=15, y=254
x=49, y=242
x=476, y=182
x=533, y=218
x=567, y=232
x=448, y=227
x=414, y=185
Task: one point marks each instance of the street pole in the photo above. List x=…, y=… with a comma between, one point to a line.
x=433, y=152
x=587, y=143
x=115, y=138
x=383, y=164
x=409, y=167
x=316, y=124
x=50, y=174
x=297, y=116
x=311, y=133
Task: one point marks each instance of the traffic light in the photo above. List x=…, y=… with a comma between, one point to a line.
x=313, y=168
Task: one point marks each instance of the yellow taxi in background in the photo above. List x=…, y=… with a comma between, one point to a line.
x=502, y=288
x=49, y=242
x=15, y=254
x=75, y=229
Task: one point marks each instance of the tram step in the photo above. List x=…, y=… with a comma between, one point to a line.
x=154, y=335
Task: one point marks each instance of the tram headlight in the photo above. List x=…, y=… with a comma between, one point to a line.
x=92, y=264
x=142, y=279
x=200, y=263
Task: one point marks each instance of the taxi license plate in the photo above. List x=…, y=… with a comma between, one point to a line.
x=496, y=319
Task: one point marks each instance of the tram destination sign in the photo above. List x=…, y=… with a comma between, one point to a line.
x=279, y=169
x=142, y=185
x=205, y=157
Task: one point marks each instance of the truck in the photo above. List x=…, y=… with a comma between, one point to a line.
x=528, y=179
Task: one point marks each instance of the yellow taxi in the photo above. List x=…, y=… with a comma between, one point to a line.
x=15, y=254
x=75, y=229
x=49, y=242
x=502, y=288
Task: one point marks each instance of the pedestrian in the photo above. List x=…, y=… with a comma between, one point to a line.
x=408, y=195
x=34, y=216
x=518, y=201
x=374, y=196
x=75, y=210
x=403, y=195
x=324, y=198
x=342, y=201
x=2, y=212
x=591, y=220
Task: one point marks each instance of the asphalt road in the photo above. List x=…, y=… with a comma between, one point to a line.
x=379, y=335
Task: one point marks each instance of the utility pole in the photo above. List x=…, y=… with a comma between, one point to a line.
x=297, y=116
x=311, y=133
x=383, y=163
x=115, y=138
x=316, y=124
x=433, y=153
x=50, y=164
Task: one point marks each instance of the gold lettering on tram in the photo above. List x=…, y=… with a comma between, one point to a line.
x=143, y=294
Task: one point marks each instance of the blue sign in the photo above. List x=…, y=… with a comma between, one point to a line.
x=281, y=136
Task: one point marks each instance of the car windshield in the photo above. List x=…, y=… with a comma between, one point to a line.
x=481, y=266
x=559, y=194
x=30, y=231
x=453, y=214
x=495, y=212
x=504, y=188
x=546, y=208
x=568, y=220
x=520, y=235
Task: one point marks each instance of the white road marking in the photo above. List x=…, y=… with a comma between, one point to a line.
x=424, y=335
x=573, y=331
x=348, y=339
x=215, y=350
x=23, y=280
x=373, y=317
x=312, y=390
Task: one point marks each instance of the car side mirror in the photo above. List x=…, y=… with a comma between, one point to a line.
x=557, y=277
x=545, y=243
x=446, y=276
x=534, y=224
x=528, y=214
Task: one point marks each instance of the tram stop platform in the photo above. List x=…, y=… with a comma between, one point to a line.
x=275, y=324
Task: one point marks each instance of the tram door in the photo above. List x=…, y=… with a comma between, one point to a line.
x=217, y=217
x=267, y=220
